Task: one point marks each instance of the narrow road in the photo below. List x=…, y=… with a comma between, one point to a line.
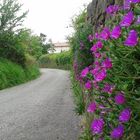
x=39, y=110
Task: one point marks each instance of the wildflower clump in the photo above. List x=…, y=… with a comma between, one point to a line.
x=112, y=80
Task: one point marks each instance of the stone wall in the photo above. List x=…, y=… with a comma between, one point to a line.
x=96, y=11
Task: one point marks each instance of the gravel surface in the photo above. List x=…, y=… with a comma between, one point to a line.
x=39, y=110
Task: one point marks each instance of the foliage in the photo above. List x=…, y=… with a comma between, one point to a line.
x=10, y=48
x=111, y=81
x=78, y=96
x=60, y=60
x=46, y=45
x=85, y=135
x=81, y=57
x=16, y=65
x=16, y=42
x=31, y=43
x=12, y=74
x=10, y=18
x=80, y=53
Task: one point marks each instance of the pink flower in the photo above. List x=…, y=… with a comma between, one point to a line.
x=125, y=115
x=127, y=19
x=100, y=75
x=96, y=35
x=112, y=9
x=119, y=98
x=84, y=72
x=97, y=55
x=117, y=133
x=105, y=34
x=97, y=63
x=95, y=70
x=135, y=1
x=108, y=88
x=132, y=39
x=116, y=32
x=97, y=126
x=90, y=38
x=97, y=46
x=127, y=4
x=107, y=63
x=88, y=85
x=92, y=107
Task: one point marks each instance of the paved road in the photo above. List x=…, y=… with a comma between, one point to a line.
x=39, y=110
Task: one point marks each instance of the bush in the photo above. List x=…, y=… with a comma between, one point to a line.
x=47, y=61
x=12, y=74
x=79, y=42
x=15, y=43
x=31, y=67
x=31, y=43
x=11, y=49
x=111, y=81
x=60, y=60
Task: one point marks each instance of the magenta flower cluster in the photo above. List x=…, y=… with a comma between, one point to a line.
x=95, y=75
x=112, y=9
x=116, y=32
x=127, y=19
x=125, y=115
x=132, y=39
x=84, y=72
x=105, y=34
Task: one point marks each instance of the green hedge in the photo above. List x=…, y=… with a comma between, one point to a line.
x=12, y=74
x=59, y=60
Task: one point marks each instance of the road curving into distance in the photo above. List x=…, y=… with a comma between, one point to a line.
x=39, y=110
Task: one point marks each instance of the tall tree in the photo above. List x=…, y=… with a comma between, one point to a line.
x=10, y=22
x=46, y=45
x=10, y=19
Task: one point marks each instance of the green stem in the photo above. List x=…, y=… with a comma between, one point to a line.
x=128, y=77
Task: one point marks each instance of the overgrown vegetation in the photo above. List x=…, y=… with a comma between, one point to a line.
x=108, y=77
x=19, y=47
x=60, y=60
x=80, y=54
x=13, y=74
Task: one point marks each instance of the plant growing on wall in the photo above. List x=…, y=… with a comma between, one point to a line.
x=111, y=82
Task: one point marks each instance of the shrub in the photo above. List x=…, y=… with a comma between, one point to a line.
x=60, y=60
x=111, y=82
x=63, y=58
x=81, y=56
x=10, y=48
x=79, y=42
x=32, y=67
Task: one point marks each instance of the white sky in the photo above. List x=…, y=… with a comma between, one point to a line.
x=51, y=17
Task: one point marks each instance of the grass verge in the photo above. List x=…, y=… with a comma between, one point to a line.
x=12, y=74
